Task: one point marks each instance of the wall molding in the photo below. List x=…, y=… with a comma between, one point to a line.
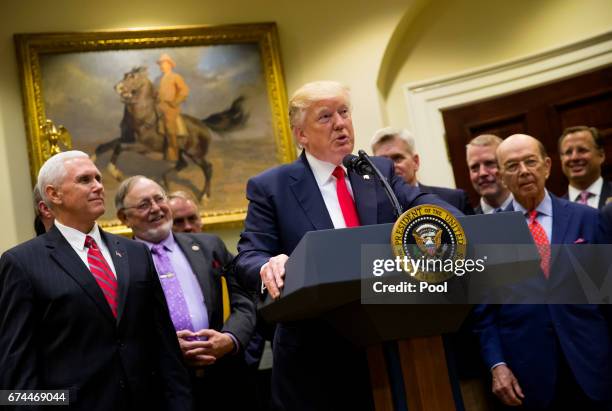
x=425, y=99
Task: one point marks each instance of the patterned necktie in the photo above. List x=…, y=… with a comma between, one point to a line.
x=583, y=197
x=179, y=311
x=541, y=241
x=102, y=273
x=347, y=204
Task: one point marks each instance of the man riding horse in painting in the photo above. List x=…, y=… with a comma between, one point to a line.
x=171, y=92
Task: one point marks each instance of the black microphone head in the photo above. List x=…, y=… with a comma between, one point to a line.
x=349, y=161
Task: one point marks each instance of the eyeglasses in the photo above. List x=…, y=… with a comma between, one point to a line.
x=514, y=166
x=146, y=204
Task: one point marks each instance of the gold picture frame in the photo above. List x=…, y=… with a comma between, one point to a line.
x=236, y=89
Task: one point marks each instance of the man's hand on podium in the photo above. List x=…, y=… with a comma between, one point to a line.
x=272, y=274
x=506, y=386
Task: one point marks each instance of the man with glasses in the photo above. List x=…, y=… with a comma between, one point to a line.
x=557, y=356
x=190, y=267
x=185, y=213
x=484, y=174
x=582, y=155
x=83, y=310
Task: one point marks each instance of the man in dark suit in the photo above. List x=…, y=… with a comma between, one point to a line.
x=190, y=267
x=582, y=154
x=546, y=357
x=314, y=368
x=398, y=145
x=83, y=310
x=482, y=164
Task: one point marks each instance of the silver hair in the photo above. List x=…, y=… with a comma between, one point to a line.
x=37, y=197
x=388, y=133
x=126, y=186
x=53, y=171
x=312, y=92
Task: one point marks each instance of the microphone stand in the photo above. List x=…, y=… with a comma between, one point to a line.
x=363, y=165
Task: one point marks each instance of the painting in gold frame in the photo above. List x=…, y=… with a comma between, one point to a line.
x=96, y=84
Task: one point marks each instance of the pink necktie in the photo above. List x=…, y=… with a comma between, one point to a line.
x=541, y=240
x=584, y=197
x=102, y=273
x=347, y=204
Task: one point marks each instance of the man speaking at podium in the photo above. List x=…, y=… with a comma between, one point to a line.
x=314, y=368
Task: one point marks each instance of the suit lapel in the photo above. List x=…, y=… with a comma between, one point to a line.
x=606, y=191
x=201, y=265
x=561, y=221
x=364, y=191
x=122, y=269
x=308, y=195
x=68, y=260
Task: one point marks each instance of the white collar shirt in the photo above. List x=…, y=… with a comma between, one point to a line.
x=326, y=182
x=594, y=189
x=488, y=209
x=76, y=239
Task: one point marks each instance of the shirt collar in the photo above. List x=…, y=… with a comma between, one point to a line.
x=544, y=208
x=168, y=243
x=76, y=238
x=487, y=208
x=322, y=170
x=595, y=189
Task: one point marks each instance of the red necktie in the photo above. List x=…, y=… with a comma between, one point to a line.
x=541, y=240
x=102, y=273
x=347, y=204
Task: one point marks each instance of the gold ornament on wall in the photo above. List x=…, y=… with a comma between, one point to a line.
x=52, y=136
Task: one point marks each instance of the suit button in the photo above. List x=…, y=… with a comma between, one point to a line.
x=121, y=384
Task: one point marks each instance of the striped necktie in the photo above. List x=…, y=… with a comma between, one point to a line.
x=102, y=273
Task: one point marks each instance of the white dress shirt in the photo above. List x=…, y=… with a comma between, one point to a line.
x=322, y=171
x=488, y=209
x=595, y=189
x=76, y=239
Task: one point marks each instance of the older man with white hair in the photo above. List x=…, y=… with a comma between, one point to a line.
x=399, y=146
x=314, y=368
x=83, y=310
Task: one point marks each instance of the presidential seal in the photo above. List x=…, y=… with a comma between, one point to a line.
x=431, y=240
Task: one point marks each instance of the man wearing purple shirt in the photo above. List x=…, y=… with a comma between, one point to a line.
x=190, y=267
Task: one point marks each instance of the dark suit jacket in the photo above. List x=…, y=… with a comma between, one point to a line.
x=529, y=338
x=455, y=197
x=210, y=260
x=314, y=368
x=606, y=192
x=58, y=331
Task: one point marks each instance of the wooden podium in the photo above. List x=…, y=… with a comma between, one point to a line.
x=327, y=278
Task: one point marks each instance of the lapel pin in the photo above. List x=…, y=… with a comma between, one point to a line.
x=195, y=248
x=118, y=254
x=366, y=177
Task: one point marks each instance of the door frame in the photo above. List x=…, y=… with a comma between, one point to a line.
x=425, y=99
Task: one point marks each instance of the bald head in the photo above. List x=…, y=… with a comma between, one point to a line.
x=524, y=168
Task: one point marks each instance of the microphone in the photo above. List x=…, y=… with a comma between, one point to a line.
x=363, y=165
x=357, y=164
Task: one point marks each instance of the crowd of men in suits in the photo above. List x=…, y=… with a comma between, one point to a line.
x=138, y=323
